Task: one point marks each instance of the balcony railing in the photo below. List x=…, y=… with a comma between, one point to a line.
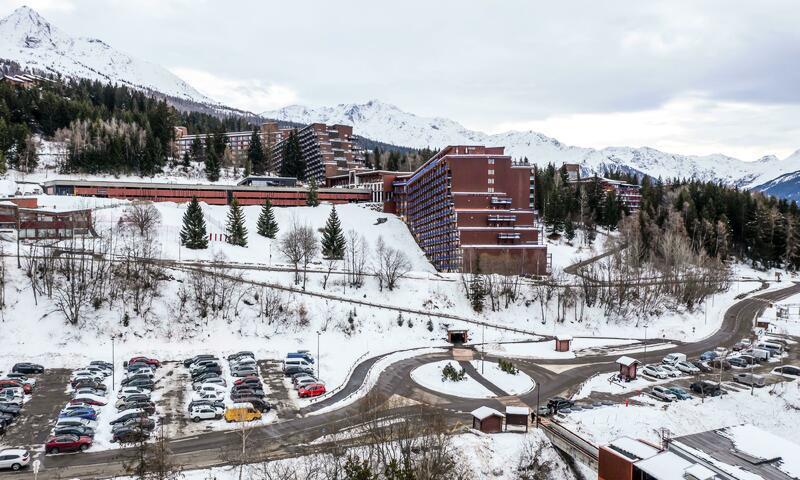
x=501, y=201
x=502, y=218
x=508, y=236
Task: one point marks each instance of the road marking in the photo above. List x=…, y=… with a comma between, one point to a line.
x=185, y=439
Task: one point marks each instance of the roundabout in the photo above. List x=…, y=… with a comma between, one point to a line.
x=475, y=379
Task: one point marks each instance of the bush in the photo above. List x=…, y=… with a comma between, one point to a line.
x=449, y=373
x=399, y=319
x=508, y=367
x=430, y=325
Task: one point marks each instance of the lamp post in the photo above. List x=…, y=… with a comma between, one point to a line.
x=645, y=344
x=113, y=365
x=483, y=348
x=318, y=359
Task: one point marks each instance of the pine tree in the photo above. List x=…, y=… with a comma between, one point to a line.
x=293, y=165
x=212, y=160
x=235, y=229
x=193, y=233
x=569, y=229
x=312, y=199
x=186, y=162
x=333, y=241
x=267, y=226
x=255, y=154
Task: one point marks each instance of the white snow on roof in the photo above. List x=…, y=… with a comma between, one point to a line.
x=484, y=412
x=634, y=448
x=664, y=466
x=627, y=361
x=512, y=410
x=700, y=472
x=562, y=338
x=762, y=444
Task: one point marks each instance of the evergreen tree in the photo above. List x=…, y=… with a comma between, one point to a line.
x=197, y=150
x=333, y=241
x=186, y=162
x=312, y=199
x=235, y=229
x=293, y=164
x=255, y=154
x=611, y=211
x=193, y=233
x=212, y=161
x=376, y=158
x=569, y=229
x=267, y=226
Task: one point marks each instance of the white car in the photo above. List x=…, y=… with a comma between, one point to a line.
x=304, y=381
x=144, y=372
x=14, y=459
x=213, y=396
x=126, y=392
x=213, y=381
x=204, y=412
x=211, y=388
x=654, y=371
x=75, y=422
x=671, y=371
x=721, y=351
x=687, y=368
x=91, y=399
x=244, y=361
x=25, y=380
x=662, y=393
x=12, y=394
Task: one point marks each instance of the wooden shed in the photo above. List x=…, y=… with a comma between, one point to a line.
x=457, y=335
x=563, y=343
x=487, y=420
x=627, y=368
x=517, y=418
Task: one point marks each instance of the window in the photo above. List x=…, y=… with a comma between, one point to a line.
x=491, y=189
x=491, y=181
x=491, y=171
x=491, y=161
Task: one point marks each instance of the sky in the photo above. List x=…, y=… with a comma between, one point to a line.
x=682, y=76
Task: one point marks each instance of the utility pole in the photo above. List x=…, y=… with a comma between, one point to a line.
x=645, y=344
x=19, y=264
x=483, y=348
x=113, y=365
x=318, y=359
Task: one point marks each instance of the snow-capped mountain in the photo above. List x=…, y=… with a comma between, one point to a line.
x=386, y=123
x=28, y=39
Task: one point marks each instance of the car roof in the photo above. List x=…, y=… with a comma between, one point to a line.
x=13, y=451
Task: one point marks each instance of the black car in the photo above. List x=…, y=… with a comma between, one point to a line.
x=134, y=377
x=788, y=370
x=238, y=355
x=74, y=430
x=141, y=383
x=145, y=423
x=706, y=388
x=254, y=392
x=148, y=407
x=294, y=369
x=127, y=416
x=10, y=408
x=89, y=383
x=130, y=435
x=189, y=361
x=702, y=366
x=240, y=396
x=738, y=362
x=27, y=368
x=260, y=404
x=205, y=370
x=132, y=367
x=557, y=403
x=6, y=418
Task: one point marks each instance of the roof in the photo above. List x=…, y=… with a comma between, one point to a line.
x=664, y=466
x=484, y=412
x=627, y=361
x=512, y=410
x=700, y=472
x=242, y=405
x=633, y=449
x=14, y=451
x=562, y=338
x=193, y=186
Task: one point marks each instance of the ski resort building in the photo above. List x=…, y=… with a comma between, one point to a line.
x=238, y=142
x=327, y=151
x=35, y=223
x=379, y=182
x=471, y=209
x=210, y=194
x=630, y=195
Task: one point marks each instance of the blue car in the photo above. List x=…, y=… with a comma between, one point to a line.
x=305, y=356
x=706, y=356
x=680, y=393
x=85, y=413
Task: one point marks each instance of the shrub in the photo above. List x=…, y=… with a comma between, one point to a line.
x=508, y=367
x=449, y=373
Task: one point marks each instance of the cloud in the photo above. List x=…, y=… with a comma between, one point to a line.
x=692, y=124
x=42, y=6
x=247, y=94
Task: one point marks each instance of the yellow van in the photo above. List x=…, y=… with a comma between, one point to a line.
x=242, y=412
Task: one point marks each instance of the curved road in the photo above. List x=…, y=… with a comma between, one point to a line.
x=293, y=437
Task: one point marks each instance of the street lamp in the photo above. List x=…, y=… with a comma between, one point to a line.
x=113, y=365
x=318, y=359
x=645, y=344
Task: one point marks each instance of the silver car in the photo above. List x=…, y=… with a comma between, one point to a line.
x=662, y=393
x=14, y=459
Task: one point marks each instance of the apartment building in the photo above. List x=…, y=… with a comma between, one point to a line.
x=379, y=182
x=471, y=209
x=630, y=195
x=238, y=142
x=327, y=150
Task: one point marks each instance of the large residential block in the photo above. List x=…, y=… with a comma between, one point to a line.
x=471, y=209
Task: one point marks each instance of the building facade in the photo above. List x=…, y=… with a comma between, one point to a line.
x=327, y=151
x=471, y=209
x=238, y=142
x=379, y=182
x=36, y=223
x=628, y=194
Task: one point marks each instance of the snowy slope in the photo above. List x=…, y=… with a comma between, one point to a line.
x=387, y=123
x=28, y=39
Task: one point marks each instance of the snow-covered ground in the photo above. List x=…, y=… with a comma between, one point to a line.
x=512, y=384
x=607, y=383
x=546, y=350
x=430, y=376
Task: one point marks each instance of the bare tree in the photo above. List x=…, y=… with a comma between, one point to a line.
x=356, y=253
x=299, y=245
x=391, y=265
x=141, y=217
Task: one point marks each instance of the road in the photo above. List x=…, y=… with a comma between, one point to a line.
x=292, y=436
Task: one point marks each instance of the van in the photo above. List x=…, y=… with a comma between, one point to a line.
x=674, y=358
x=760, y=354
x=242, y=412
x=750, y=379
x=295, y=362
x=775, y=348
x=301, y=354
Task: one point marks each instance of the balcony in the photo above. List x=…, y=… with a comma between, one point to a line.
x=508, y=236
x=502, y=218
x=501, y=201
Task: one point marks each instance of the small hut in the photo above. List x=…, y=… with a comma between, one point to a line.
x=563, y=343
x=627, y=368
x=487, y=420
x=517, y=417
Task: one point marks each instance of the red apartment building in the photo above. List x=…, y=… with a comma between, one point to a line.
x=629, y=194
x=35, y=223
x=471, y=209
x=379, y=182
x=238, y=142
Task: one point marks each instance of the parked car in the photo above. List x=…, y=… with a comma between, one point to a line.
x=82, y=373
x=248, y=381
x=141, y=383
x=14, y=459
x=145, y=423
x=213, y=396
x=288, y=371
x=787, y=370
x=67, y=443
x=742, y=344
x=189, y=361
x=244, y=371
x=218, y=404
x=211, y=388
x=260, y=404
x=749, y=379
x=10, y=408
x=137, y=376
x=106, y=372
x=216, y=369
x=680, y=393
x=702, y=366
x=720, y=363
x=302, y=382
x=21, y=377
x=101, y=363
x=687, y=368
x=83, y=412
x=671, y=370
x=663, y=394
x=311, y=390
x=242, y=394
x=13, y=383
x=88, y=391
x=135, y=367
x=149, y=361
x=86, y=383
x=12, y=395
x=205, y=377
x=242, y=412
x=244, y=361
x=304, y=355
x=721, y=351
x=27, y=368
x=706, y=388
x=147, y=406
x=129, y=435
x=89, y=399
x=237, y=355
x=74, y=421
x=738, y=362
x=79, y=430
x=127, y=415
x=673, y=358
x=706, y=356
x=126, y=392
x=654, y=371
x=759, y=354
x=215, y=380
x=139, y=397
x=204, y=363
x=204, y=412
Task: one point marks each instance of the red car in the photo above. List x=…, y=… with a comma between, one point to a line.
x=311, y=390
x=150, y=361
x=251, y=379
x=26, y=387
x=67, y=443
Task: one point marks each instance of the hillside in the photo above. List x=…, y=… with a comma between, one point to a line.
x=387, y=123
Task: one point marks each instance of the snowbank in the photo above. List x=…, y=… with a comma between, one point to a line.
x=430, y=377
x=511, y=384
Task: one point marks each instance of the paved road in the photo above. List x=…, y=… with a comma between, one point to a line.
x=291, y=437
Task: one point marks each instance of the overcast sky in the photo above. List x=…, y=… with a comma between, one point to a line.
x=686, y=77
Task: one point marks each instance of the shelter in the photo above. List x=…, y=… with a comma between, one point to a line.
x=457, y=335
x=487, y=420
x=517, y=417
x=563, y=343
x=627, y=368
